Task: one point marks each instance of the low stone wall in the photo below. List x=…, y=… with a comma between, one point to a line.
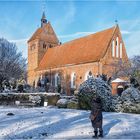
x=29, y=99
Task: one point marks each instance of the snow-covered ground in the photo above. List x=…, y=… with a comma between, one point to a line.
x=47, y=122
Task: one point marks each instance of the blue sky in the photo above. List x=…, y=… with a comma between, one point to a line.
x=70, y=20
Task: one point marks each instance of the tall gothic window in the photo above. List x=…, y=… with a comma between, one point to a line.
x=57, y=80
x=120, y=50
x=117, y=47
x=73, y=80
x=88, y=75
x=113, y=48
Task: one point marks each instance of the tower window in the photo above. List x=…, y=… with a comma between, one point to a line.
x=50, y=46
x=32, y=47
x=44, y=46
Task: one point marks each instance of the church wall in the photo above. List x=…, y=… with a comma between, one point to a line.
x=109, y=62
x=66, y=72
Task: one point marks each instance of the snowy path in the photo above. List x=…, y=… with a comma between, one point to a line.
x=31, y=123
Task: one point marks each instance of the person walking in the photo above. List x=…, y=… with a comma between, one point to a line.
x=96, y=117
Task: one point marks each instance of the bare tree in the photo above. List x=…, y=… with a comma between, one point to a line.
x=130, y=69
x=12, y=64
x=121, y=69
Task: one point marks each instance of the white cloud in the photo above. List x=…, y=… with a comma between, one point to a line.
x=125, y=32
x=77, y=34
x=20, y=41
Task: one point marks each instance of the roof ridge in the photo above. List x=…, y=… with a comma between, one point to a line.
x=86, y=36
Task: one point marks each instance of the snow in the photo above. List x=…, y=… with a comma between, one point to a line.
x=50, y=122
x=62, y=101
x=118, y=80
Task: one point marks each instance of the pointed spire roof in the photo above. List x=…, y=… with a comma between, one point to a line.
x=43, y=15
x=43, y=19
x=45, y=33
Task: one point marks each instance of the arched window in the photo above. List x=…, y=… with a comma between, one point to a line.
x=88, y=75
x=44, y=46
x=113, y=48
x=73, y=80
x=50, y=45
x=117, y=47
x=57, y=80
x=120, y=50
x=32, y=47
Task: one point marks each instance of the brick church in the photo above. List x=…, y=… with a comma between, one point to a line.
x=68, y=65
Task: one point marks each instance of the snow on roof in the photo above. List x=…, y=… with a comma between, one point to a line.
x=118, y=80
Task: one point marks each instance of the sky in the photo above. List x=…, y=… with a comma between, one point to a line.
x=70, y=19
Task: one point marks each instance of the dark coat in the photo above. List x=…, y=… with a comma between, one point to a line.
x=97, y=113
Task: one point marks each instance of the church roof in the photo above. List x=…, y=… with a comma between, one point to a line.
x=45, y=33
x=86, y=49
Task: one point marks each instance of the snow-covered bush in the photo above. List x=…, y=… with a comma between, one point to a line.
x=62, y=103
x=35, y=99
x=94, y=87
x=129, y=102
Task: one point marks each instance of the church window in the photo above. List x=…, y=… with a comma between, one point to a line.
x=50, y=46
x=73, y=80
x=117, y=47
x=120, y=50
x=113, y=48
x=32, y=47
x=44, y=46
x=57, y=80
x=88, y=75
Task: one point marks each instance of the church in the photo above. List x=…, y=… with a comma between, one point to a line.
x=69, y=64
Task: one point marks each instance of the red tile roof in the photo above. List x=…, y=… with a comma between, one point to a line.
x=45, y=33
x=90, y=48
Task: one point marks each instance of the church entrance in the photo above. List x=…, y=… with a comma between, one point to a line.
x=120, y=89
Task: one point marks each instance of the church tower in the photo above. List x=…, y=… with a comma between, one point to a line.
x=43, y=38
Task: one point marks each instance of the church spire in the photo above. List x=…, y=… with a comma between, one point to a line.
x=43, y=19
